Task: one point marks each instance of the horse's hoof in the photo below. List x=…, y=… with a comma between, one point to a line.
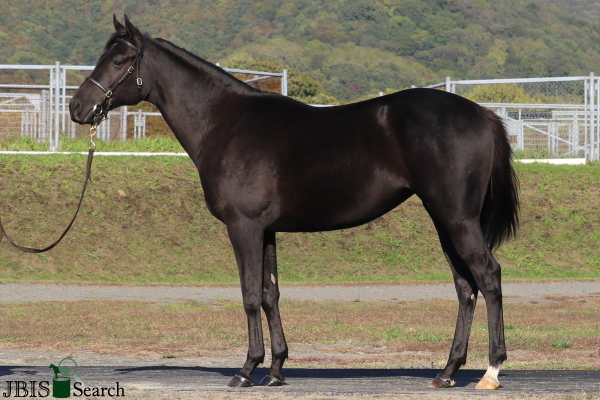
x=240, y=381
x=487, y=383
x=269, y=380
x=440, y=383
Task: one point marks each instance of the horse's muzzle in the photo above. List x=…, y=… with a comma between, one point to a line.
x=78, y=115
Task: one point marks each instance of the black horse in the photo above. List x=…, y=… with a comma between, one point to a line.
x=268, y=164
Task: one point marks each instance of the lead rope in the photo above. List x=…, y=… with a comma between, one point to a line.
x=100, y=114
x=88, y=174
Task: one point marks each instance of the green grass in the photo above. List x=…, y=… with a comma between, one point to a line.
x=144, y=221
x=155, y=144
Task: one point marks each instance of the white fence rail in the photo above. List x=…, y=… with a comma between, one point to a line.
x=38, y=106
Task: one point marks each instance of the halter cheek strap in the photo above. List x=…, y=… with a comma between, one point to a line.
x=99, y=110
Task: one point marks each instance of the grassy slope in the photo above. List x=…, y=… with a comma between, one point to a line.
x=144, y=221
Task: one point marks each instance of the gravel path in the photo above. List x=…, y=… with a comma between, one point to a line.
x=516, y=292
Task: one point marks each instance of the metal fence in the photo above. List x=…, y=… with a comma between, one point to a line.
x=34, y=102
x=555, y=117
x=552, y=117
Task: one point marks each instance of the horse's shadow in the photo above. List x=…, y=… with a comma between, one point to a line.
x=7, y=371
x=170, y=373
x=463, y=377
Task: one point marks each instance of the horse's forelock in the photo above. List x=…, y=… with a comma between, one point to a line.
x=113, y=38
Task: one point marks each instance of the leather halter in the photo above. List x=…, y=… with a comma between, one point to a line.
x=99, y=109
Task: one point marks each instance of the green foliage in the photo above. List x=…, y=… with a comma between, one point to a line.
x=300, y=86
x=354, y=48
x=515, y=93
x=499, y=93
x=589, y=9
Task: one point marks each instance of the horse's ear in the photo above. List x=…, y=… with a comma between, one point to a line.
x=132, y=31
x=119, y=27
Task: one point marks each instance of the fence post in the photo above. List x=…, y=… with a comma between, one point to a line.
x=448, y=85
x=63, y=101
x=597, y=120
x=521, y=134
x=592, y=130
x=123, y=122
x=284, y=83
x=56, y=108
x=44, y=116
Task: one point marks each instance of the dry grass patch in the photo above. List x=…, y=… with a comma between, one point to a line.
x=562, y=334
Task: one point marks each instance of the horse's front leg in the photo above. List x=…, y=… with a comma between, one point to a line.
x=279, y=348
x=247, y=240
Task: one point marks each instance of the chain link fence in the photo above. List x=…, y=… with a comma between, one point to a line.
x=545, y=117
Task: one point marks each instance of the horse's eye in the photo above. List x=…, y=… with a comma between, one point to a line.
x=118, y=63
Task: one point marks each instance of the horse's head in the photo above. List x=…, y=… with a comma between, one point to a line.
x=116, y=80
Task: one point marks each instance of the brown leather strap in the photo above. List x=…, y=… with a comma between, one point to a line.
x=88, y=173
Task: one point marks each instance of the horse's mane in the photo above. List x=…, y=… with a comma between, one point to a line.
x=189, y=58
x=198, y=62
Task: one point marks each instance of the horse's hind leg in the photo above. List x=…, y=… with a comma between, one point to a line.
x=471, y=247
x=247, y=240
x=270, y=304
x=467, y=291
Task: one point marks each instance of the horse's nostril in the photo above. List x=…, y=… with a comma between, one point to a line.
x=75, y=110
x=75, y=107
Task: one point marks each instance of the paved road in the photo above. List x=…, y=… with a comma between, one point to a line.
x=309, y=381
x=513, y=291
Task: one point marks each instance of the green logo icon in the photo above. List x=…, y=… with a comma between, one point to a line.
x=61, y=385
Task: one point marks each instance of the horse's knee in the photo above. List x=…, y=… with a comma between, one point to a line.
x=270, y=300
x=252, y=303
x=466, y=296
x=466, y=290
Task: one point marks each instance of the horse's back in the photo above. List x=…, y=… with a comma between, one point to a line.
x=408, y=139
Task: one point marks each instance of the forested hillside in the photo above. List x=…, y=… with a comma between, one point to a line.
x=589, y=9
x=353, y=48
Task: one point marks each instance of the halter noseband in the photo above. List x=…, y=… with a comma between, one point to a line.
x=99, y=110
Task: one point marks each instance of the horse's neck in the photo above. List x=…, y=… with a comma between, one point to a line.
x=188, y=93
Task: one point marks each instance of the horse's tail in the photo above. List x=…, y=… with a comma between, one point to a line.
x=500, y=212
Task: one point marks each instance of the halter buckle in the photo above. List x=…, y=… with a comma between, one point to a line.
x=97, y=110
x=130, y=70
x=108, y=94
x=139, y=81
